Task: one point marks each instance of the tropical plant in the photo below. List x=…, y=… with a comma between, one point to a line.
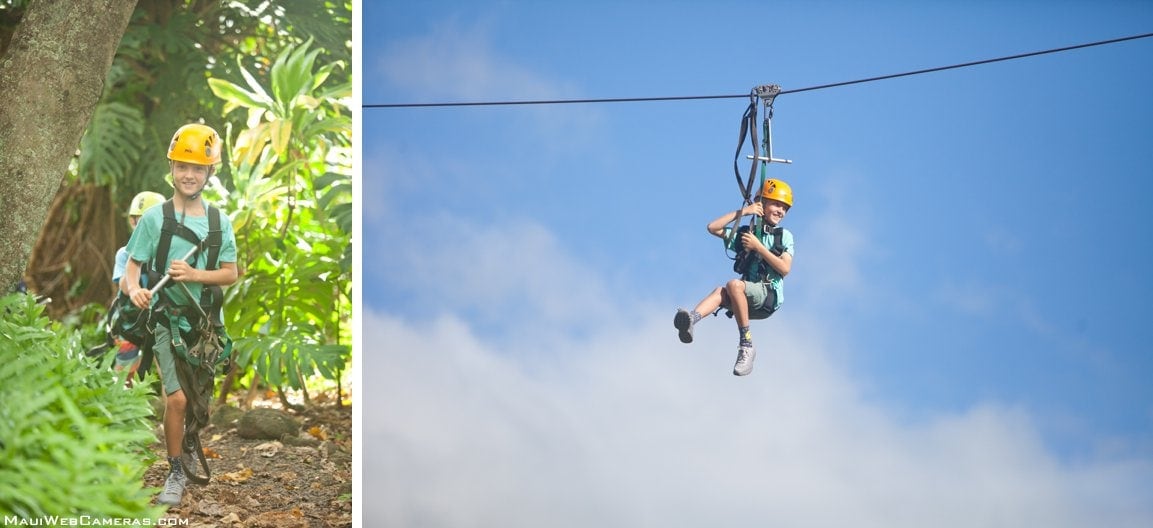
x=156, y=83
x=64, y=424
x=291, y=207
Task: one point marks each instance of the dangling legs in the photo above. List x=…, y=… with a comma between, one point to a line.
x=739, y=304
x=685, y=320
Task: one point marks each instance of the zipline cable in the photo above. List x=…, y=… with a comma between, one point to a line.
x=783, y=92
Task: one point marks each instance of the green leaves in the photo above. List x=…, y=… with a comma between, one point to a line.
x=110, y=145
x=73, y=440
x=292, y=212
x=298, y=105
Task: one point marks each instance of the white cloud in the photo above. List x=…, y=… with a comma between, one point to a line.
x=970, y=298
x=457, y=60
x=632, y=428
x=625, y=426
x=835, y=242
x=514, y=277
x=584, y=410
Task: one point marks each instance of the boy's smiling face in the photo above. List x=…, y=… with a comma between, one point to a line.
x=189, y=178
x=775, y=210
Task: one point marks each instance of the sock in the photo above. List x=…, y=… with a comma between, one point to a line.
x=695, y=316
x=746, y=335
x=175, y=465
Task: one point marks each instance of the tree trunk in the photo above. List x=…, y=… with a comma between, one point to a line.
x=51, y=77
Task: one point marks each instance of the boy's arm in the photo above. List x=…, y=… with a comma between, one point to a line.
x=182, y=272
x=782, y=263
x=131, y=277
x=717, y=227
x=130, y=285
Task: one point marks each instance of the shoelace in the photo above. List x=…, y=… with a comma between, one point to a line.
x=175, y=483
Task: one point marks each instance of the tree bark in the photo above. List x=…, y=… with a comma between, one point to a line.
x=51, y=77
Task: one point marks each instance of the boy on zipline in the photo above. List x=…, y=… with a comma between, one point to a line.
x=763, y=260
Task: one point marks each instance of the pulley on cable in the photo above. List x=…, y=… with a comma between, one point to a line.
x=762, y=155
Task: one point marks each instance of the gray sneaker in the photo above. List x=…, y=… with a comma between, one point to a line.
x=745, y=356
x=173, y=488
x=684, y=323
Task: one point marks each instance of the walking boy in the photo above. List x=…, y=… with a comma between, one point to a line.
x=193, y=154
x=760, y=290
x=127, y=354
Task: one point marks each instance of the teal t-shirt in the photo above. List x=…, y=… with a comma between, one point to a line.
x=772, y=277
x=142, y=248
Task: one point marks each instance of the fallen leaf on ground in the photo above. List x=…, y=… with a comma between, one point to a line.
x=318, y=432
x=236, y=477
x=268, y=449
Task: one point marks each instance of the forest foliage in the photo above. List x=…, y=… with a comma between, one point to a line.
x=275, y=80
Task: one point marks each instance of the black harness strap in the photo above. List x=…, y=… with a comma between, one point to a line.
x=171, y=227
x=778, y=244
x=748, y=129
x=197, y=382
x=211, y=297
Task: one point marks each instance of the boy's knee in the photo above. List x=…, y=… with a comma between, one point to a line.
x=735, y=285
x=176, y=401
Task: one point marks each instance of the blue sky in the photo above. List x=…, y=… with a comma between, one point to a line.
x=966, y=335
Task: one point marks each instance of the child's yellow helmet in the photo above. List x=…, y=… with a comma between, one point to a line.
x=195, y=143
x=143, y=201
x=777, y=190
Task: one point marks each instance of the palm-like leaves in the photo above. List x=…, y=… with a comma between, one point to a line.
x=293, y=302
x=110, y=148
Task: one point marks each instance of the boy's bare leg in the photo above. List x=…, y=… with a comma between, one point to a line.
x=684, y=320
x=711, y=302
x=740, y=307
x=738, y=303
x=174, y=408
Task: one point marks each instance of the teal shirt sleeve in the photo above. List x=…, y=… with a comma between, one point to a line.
x=142, y=244
x=119, y=265
x=228, y=240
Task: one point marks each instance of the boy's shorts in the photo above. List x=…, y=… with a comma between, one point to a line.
x=761, y=299
x=162, y=351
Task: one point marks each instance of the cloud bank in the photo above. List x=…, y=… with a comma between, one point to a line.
x=508, y=384
x=622, y=425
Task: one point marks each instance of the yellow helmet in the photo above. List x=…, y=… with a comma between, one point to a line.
x=143, y=201
x=195, y=143
x=777, y=190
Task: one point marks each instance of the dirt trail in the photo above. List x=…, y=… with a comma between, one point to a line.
x=303, y=481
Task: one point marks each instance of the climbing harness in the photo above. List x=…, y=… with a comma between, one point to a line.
x=135, y=325
x=125, y=321
x=210, y=345
x=197, y=351
x=765, y=95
